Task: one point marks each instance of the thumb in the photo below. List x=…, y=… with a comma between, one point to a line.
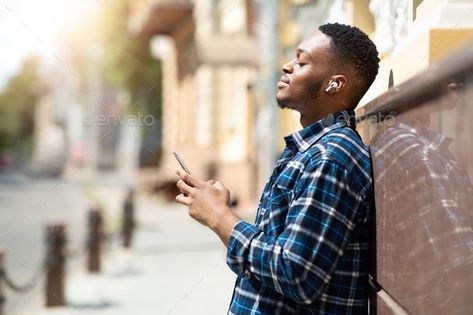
x=219, y=185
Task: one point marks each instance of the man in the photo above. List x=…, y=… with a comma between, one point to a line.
x=307, y=252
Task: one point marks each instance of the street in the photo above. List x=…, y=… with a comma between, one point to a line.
x=175, y=266
x=25, y=207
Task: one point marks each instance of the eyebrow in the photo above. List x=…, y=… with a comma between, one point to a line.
x=300, y=51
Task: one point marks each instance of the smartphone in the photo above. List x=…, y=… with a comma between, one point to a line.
x=181, y=162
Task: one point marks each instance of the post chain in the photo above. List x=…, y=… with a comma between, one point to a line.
x=24, y=287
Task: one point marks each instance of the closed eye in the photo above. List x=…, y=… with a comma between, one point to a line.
x=298, y=62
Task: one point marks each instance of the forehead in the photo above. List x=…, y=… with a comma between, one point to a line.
x=315, y=45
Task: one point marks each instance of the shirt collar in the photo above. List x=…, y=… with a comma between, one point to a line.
x=305, y=138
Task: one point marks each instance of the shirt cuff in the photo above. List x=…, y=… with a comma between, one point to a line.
x=239, y=246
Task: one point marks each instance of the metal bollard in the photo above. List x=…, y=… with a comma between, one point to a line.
x=2, y=270
x=55, y=264
x=128, y=219
x=94, y=240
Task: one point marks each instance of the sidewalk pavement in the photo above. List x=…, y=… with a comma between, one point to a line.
x=175, y=266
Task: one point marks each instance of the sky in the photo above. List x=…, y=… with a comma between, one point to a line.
x=30, y=27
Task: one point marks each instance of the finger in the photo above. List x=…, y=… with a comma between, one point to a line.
x=183, y=200
x=184, y=188
x=189, y=179
x=219, y=185
x=211, y=182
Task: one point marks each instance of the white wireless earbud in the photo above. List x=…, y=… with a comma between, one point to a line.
x=331, y=86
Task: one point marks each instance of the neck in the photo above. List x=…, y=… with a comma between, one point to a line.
x=307, y=119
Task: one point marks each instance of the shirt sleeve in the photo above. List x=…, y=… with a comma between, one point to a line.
x=299, y=263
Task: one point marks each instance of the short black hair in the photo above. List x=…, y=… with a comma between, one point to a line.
x=353, y=48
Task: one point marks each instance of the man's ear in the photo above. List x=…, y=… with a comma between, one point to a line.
x=336, y=84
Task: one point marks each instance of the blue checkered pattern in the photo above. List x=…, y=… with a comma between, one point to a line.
x=308, y=251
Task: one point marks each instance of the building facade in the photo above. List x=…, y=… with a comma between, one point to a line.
x=222, y=60
x=208, y=50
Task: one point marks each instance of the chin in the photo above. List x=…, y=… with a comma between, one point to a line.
x=282, y=104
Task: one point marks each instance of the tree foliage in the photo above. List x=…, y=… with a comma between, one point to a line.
x=17, y=107
x=127, y=61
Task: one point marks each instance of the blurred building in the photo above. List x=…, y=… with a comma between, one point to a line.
x=222, y=60
x=49, y=145
x=81, y=127
x=413, y=35
x=208, y=50
x=410, y=34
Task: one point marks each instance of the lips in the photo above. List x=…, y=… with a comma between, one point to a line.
x=283, y=81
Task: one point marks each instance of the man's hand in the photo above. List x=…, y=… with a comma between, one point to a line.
x=208, y=203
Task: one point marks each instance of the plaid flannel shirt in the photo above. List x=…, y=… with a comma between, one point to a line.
x=308, y=251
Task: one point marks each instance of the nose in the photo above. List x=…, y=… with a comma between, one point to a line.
x=288, y=67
